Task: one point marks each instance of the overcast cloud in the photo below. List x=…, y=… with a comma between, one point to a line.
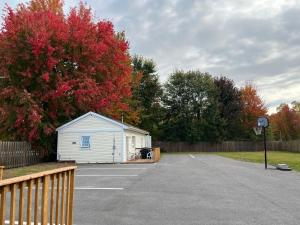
x=256, y=40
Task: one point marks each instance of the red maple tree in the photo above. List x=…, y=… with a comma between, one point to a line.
x=253, y=106
x=57, y=67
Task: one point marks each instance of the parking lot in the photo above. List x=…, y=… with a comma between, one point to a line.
x=186, y=189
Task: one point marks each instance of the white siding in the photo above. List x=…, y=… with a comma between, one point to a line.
x=103, y=132
x=101, y=147
x=148, y=142
x=140, y=142
x=91, y=123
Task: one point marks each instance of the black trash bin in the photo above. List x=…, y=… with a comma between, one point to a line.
x=144, y=152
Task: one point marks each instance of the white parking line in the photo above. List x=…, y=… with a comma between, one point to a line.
x=109, y=175
x=24, y=223
x=192, y=156
x=112, y=168
x=94, y=188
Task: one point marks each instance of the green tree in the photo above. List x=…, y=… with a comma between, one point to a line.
x=147, y=93
x=230, y=107
x=191, y=107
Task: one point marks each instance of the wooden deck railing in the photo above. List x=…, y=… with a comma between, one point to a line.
x=1, y=172
x=38, y=199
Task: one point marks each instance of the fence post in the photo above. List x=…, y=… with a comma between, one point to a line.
x=45, y=203
x=156, y=154
x=1, y=172
x=70, y=206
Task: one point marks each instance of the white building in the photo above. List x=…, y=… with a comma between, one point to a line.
x=93, y=138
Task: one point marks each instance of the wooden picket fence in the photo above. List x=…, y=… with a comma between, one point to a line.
x=38, y=199
x=17, y=154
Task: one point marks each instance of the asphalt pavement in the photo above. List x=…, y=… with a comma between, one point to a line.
x=186, y=189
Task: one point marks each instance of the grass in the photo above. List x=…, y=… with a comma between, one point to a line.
x=292, y=159
x=21, y=171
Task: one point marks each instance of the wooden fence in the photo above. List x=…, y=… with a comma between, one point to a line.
x=228, y=146
x=17, y=154
x=41, y=198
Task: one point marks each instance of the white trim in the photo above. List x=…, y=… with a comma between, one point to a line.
x=91, y=130
x=123, y=143
x=90, y=142
x=57, y=148
x=94, y=115
x=137, y=130
x=108, y=119
x=98, y=116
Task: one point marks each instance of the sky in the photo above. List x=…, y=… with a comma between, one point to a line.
x=257, y=40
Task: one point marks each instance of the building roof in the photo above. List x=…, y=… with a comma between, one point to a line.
x=96, y=115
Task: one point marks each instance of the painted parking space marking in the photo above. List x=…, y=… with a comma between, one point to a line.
x=113, y=168
x=95, y=188
x=25, y=223
x=136, y=164
x=108, y=175
x=192, y=156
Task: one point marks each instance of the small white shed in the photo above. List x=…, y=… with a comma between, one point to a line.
x=93, y=138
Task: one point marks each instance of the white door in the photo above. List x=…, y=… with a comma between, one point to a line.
x=128, y=142
x=106, y=148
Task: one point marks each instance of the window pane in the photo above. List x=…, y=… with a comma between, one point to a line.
x=85, y=141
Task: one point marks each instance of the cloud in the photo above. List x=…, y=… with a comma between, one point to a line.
x=245, y=40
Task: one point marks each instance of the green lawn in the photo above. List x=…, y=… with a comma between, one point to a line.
x=16, y=172
x=292, y=159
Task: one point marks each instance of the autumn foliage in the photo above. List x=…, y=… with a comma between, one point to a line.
x=253, y=106
x=57, y=67
x=55, y=6
x=286, y=123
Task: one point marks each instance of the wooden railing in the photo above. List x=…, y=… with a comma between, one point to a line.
x=38, y=199
x=1, y=172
